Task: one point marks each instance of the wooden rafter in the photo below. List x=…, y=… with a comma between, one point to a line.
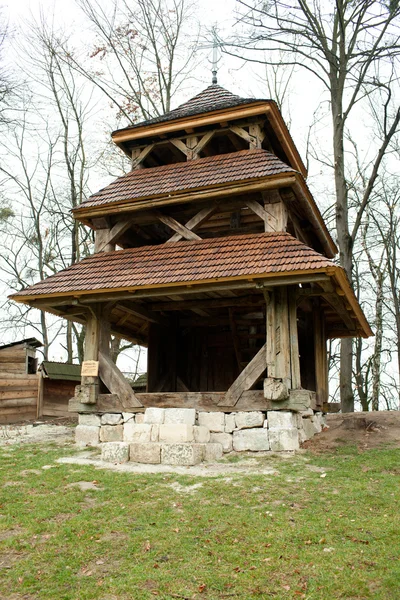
x=109, y=237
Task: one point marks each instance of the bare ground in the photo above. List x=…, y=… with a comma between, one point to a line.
x=365, y=430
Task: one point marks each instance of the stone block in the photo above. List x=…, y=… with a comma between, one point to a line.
x=225, y=439
x=111, y=433
x=155, y=432
x=154, y=415
x=139, y=418
x=283, y=440
x=90, y=420
x=214, y=421
x=249, y=420
x=148, y=453
x=87, y=435
x=275, y=390
x=302, y=435
x=230, y=423
x=111, y=419
x=176, y=433
x=182, y=416
x=309, y=428
x=212, y=452
x=115, y=452
x=255, y=440
x=201, y=434
x=182, y=454
x=128, y=417
x=281, y=419
x=316, y=421
x=137, y=432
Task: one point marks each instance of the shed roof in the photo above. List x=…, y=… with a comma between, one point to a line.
x=27, y=341
x=60, y=370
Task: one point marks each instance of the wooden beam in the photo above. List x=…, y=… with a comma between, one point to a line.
x=270, y=352
x=239, y=131
x=256, y=131
x=177, y=227
x=203, y=215
x=247, y=378
x=116, y=382
x=250, y=301
x=294, y=339
x=320, y=355
x=181, y=146
x=138, y=156
x=206, y=401
x=110, y=236
x=282, y=339
x=142, y=312
x=203, y=142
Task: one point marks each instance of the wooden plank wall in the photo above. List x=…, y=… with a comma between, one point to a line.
x=56, y=395
x=18, y=391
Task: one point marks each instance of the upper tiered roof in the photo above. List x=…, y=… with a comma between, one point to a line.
x=212, y=98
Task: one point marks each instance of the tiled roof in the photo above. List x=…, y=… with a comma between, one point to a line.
x=190, y=175
x=212, y=98
x=183, y=262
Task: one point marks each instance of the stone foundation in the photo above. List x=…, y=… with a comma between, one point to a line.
x=185, y=436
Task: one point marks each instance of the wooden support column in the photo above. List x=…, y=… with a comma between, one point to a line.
x=101, y=243
x=294, y=339
x=270, y=333
x=321, y=366
x=282, y=337
x=90, y=384
x=277, y=214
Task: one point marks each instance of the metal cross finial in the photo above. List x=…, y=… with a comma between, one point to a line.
x=215, y=57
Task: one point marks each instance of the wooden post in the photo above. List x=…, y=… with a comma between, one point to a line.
x=270, y=331
x=321, y=367
x=90, y=384
x=100, y=241
x=294, y=339
x=39, y=411
x=282, y=337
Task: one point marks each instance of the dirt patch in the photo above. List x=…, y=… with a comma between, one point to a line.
x=365, y=430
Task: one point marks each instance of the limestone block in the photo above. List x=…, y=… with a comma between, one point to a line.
x=225, y=439
x=302, y=435
x=87, y=435
x=184, y=416
x=91, y=420
x=176, y=432
x=115, y=452
x=230, y=423
x=148, y=453
x=282, y=440
x=139, y=418
x=281, y=419
x=201, y=434
x=307, y=413
x=128, y=416
x=251, y=439
x=248, y=420
x=214, y=421
x=309, y=428
x=316, y=420
x=155, y=432
x=274, y=389
x=182, y=454
x=213, y=451
x=154, y=415
x=111, y=419
x=137, y=432
x=111, y=433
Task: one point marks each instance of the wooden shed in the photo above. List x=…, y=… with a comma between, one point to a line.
x=18, y=380
x=57, y=382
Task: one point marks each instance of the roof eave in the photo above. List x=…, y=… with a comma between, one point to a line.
x=122, y=136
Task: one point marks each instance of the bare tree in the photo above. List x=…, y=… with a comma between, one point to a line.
x=350, y=48
x=143, y=55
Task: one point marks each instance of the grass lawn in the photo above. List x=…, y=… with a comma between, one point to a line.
x=320, y=527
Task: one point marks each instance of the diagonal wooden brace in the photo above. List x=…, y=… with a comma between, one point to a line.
x=247, y=378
